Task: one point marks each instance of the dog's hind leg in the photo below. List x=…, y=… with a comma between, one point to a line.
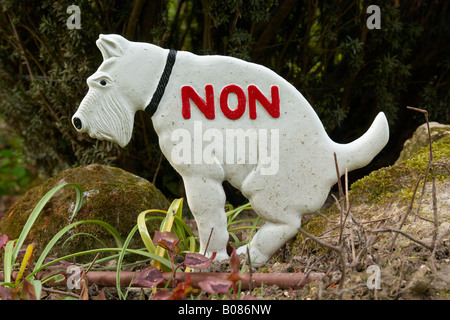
x=281, y=225
x=268, y=239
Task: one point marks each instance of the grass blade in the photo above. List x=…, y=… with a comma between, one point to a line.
x=8, y=261
x=165, y=262
x=57, y=236
x=24, y=264
x=37, y=210
x=174, y=210
x=143, y=231
x=127, y=242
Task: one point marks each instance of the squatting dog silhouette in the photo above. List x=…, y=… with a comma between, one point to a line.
x=220, y=118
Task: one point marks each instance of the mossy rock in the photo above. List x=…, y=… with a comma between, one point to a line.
x=391, y=189
x=420, y=139
x=110, y=194
x=400, y=179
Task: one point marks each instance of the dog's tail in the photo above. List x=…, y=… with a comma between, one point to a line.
x=361, y=152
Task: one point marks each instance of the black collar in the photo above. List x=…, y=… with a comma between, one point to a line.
x=157, y=96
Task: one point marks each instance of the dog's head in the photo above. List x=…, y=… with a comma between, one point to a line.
x=118, y=89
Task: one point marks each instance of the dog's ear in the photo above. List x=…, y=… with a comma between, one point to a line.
x=112, y=45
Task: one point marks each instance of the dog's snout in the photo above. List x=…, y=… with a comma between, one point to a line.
x=77, y=123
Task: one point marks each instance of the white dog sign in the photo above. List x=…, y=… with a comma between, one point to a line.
x=220, y=118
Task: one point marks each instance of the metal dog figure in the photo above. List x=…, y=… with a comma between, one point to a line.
x=282, y=161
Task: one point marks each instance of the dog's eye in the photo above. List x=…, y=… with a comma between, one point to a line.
x=103, y=82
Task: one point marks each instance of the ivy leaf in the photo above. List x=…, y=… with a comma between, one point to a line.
x=235, y=275
x=167, y=240
x=3, y=240
x=198, y=261
x=215, y=285
x=149, y=277
x=235, y=262
x=182, y=289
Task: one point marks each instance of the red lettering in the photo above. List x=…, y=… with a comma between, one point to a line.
x=273, y=108
x=207, y=108
x=242, y=100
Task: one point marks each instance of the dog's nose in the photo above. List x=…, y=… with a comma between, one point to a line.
x=77, y=123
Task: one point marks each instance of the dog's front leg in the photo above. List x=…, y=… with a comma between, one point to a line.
x=206, y=199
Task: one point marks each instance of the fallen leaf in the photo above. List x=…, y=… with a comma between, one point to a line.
x=100, y=296
x=84, y=295
x=164, y=294
x=27, y=292
x=7, y=293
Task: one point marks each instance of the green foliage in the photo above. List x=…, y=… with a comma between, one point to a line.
x=30, y=289
x=347, y=72
x=14, y=174
x=174, y=237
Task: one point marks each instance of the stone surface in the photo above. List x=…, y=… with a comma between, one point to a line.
x=110, y=194
x=420, y=139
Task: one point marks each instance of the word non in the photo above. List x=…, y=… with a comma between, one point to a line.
x=210, y=147
x=206, y=106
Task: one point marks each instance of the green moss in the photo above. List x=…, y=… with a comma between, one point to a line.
x=383, y=184
x=401, y=179
x=440, y=148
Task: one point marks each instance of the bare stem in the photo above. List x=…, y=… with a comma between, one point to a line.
x=429, y=247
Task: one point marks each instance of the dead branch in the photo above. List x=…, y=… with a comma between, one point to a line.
x=434, y=242
x=369, y=241
x=108, y=279
x=339, y=250
x=429, y=247
x=411, y=204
